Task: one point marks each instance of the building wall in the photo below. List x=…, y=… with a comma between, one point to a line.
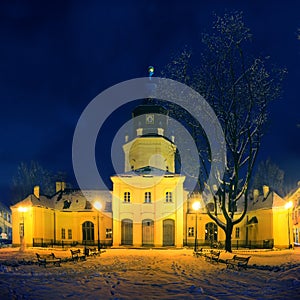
x=39, y=224
x=138, y=211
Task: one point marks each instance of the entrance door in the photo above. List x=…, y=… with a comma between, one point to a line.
x=88, y=233
x=126, y=232
x=148, y=233
x=168, y=232
x=211, y=233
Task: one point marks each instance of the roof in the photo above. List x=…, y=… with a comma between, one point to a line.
x=148, y=171
x=272, y=200
x=70, y=200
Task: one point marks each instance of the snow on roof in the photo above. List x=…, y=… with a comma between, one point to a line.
x=70, y=200
x=148, y=171
x=272, y=200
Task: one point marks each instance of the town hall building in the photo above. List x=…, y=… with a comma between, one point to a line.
x=148, y=205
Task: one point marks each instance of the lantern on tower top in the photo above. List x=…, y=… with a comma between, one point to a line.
x=150, y=71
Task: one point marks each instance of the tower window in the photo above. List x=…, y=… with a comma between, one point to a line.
x=147, y=197
x=169, y=197
x=127, y=197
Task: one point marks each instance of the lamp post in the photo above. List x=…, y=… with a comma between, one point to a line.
x=98, y=206
x=196, y=207
x=287, y=206
x=22, y=209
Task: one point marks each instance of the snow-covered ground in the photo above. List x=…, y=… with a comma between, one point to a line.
x=149, y=274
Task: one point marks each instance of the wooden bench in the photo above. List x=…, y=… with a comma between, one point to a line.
x=44, y=259
x=212, y=256
x=238, y=262
x=92, y=251
x=199, y=252
x=77, y=255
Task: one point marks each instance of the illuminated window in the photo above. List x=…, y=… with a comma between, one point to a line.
x=169, y=197
x=63, y=233
x=237, y=232
x=191, y=232
x=108, y=233
x=127, y=197
x=69, y=234
x=147, y=197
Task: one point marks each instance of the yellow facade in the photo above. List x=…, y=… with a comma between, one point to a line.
x=44, y=222
x=148, y=205
x=165, y=202
x=294, y=198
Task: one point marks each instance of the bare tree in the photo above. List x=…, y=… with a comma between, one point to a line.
x=268, y=173
x=30, y=174
x=239, y=89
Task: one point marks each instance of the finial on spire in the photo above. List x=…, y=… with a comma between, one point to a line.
x=150, y=71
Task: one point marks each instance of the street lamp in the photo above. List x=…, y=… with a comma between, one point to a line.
x=196, y=206
x=98, y=206
x=287, y=206
x=22, y=209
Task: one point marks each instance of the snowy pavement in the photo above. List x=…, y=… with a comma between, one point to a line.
x=149, y=274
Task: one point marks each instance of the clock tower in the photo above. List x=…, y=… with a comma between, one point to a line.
x=150, y=147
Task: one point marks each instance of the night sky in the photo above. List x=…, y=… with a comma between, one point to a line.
x=56, y=56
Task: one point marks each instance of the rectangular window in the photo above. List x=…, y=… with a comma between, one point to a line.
x=127, y=197
x=69, y=234
x=169, y=197
x=191, y=232
x=63, y=233
x=237, y=232
x=108, y=233
x=147, y=197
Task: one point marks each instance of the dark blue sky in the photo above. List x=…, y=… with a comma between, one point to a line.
x=56, y=56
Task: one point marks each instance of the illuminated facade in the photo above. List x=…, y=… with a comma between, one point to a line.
x=148, y=205
x=148, y=197
x=67, y=218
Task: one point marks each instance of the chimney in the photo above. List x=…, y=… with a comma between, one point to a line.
x=36, y=191
x=126, y=138
x=139, y=131
x=173, y=138
x=266, y=190
x=255, y=194
x=60, y=186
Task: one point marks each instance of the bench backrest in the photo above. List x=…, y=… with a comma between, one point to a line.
x=240, y=258
x=43, y=256
x=75, y=251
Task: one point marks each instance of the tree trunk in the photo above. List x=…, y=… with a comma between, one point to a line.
x=228, y=233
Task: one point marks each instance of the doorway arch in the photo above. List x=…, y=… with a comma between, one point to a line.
x=126, y=232
x=211, y=232
x=148, y=232
x=168, y=232
x=88, y=232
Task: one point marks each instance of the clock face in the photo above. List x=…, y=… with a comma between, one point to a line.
x=149, y=119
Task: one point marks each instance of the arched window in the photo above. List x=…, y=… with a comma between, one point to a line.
x=127, y=197
x=169, y=197
x=88, y=231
